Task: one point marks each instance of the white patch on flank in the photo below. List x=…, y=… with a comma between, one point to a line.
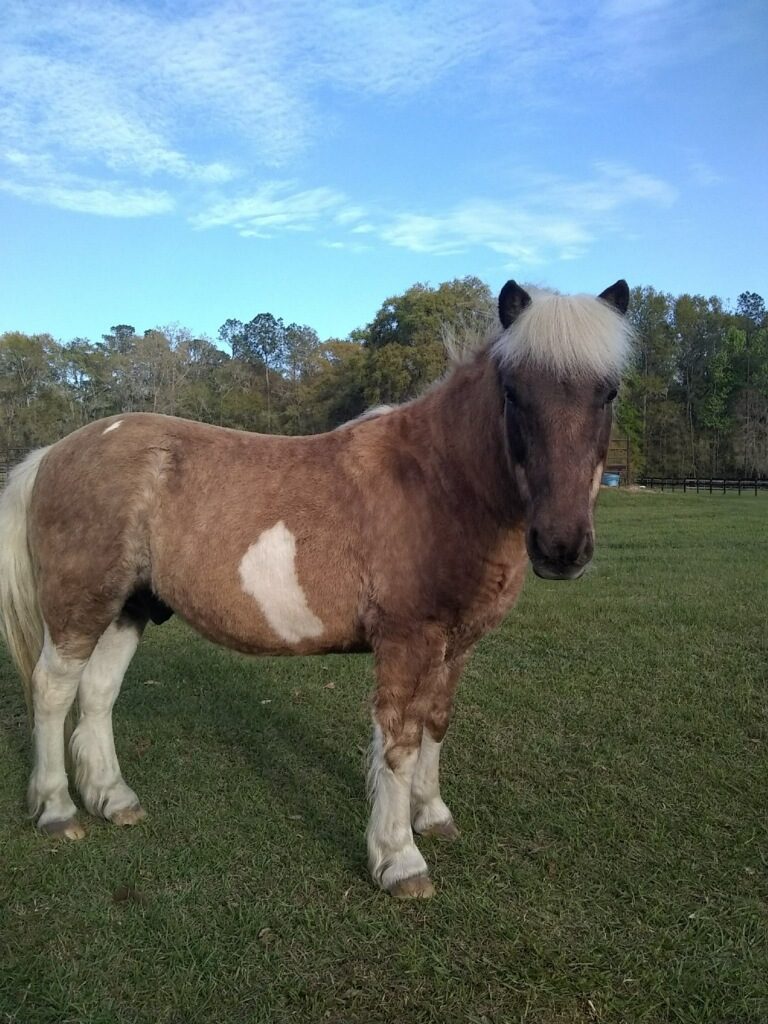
x=112, y=426
x=573, y=336
x=268, y=574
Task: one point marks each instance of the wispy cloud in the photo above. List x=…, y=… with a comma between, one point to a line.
x=106, y=202
x=274, y=206
x=123, y=83
x=100, y=99
x=549, y=217
x=55, y=106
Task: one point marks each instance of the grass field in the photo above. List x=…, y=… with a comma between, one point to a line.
x=608, y=768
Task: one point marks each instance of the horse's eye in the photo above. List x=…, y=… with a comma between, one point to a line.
x=610, y=396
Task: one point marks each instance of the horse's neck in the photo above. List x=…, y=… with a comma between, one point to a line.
x=467, y=433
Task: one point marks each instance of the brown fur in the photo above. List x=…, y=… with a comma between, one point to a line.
x=400, y=522
x=413, y=528
x=410, y=529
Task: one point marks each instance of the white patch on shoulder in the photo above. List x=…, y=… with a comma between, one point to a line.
x=112, y=426
x=597, y=479
x=268, y=574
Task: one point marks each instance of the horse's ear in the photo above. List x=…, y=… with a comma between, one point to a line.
x=617, y=296
x=512, y=301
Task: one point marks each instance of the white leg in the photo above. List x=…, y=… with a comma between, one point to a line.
x=97, y=771
x=54, y=685
x=429, y=814
x=393, y=856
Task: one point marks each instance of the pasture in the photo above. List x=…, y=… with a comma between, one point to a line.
x=607, y=766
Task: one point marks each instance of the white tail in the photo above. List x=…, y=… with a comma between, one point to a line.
x=21, y=622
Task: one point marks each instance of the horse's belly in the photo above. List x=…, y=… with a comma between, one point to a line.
x=266, y=597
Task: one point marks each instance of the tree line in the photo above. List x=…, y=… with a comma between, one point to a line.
x=694, y=401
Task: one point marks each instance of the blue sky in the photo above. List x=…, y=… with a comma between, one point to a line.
x=189, y=162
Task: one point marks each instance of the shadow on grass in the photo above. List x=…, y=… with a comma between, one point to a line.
x=315, y=778
x=15, y=734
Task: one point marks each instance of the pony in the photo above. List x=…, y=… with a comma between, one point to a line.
x=408, y=533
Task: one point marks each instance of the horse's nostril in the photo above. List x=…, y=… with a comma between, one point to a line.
x=558, y=552
x=535, y=548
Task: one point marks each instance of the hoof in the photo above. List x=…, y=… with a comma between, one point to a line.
x=442, y=830
x=69, y=828
x=128, y=815
x=417, y=888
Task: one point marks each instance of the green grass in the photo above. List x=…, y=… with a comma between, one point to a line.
x=608, y=767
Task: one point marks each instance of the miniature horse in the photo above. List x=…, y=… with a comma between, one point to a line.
x=407, y=533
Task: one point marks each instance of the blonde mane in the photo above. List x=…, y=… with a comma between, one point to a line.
x=571, y=336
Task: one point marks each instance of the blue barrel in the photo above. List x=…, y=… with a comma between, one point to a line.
x=611, y=479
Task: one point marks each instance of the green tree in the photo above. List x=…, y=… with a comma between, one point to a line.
x=337, y=387
x=405, y=340
x=259, y=341
x=300, y=365
x=122, y=338
x=644, y=410
x=34, y=406
x=421, y=314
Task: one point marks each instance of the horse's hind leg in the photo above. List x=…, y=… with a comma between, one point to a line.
x=54, y=684
x=97, y=771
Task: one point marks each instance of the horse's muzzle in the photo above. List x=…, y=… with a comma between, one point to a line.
x=546, y=572
x=558, y=559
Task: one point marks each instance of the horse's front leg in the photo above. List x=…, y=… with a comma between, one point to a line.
x=406, y=671
x=429, y=814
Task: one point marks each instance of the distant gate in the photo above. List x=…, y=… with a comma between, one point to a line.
x=618, y=459
x=703, y=485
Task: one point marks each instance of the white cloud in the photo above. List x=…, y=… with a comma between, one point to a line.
x=399, y=47
x=274, y=206
x=520, y=235
x=350, y=214
x=52, y=105
x=549, y=218
x=198, y=95
x=107, y=202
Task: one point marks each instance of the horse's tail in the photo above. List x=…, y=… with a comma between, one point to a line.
x=21, y=621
